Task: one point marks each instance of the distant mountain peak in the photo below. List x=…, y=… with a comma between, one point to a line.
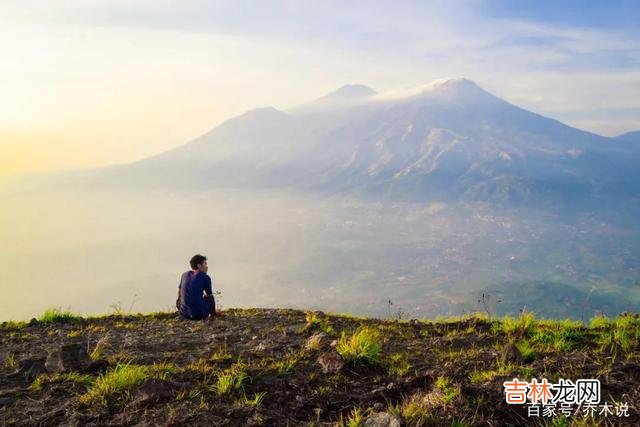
x=350, y=91
x=448, y=82
x=454, y=85
x=447, y=87
x=344, y=96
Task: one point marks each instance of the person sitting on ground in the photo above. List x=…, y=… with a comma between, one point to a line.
x=195, y=296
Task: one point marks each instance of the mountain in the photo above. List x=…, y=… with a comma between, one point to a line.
x=633, y=137
x=430, y=197
x=448, y=140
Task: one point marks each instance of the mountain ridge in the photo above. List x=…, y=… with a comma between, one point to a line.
x=450, y=139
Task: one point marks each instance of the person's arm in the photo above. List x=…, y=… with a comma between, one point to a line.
x=207, y=286
x=178, y=298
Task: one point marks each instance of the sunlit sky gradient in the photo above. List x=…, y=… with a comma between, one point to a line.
x=87, y=83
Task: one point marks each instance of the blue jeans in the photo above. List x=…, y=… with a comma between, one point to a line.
x=211, y=307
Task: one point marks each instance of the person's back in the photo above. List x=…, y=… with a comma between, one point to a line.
x=195, y=296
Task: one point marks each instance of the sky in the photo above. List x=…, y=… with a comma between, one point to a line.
x=88, y=83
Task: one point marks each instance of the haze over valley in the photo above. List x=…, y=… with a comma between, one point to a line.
x=427, y=197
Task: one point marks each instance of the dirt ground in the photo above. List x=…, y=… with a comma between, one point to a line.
x=453, y=371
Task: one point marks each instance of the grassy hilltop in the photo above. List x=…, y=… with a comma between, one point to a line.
x=267, y=367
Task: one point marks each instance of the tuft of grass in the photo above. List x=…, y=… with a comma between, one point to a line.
x=621, y=334
x=285, y=365
x=312, y=319
x=202, y=366
x=118, y=382
x=481, y=377
x=313, y=344
x=11, y=362
x=81, y=380
x=316, y=323
x=75, y=333
x=100, y=347
x=13, y=325
x=501, y=369
x=521, y=326
x=162, y=370
x=324, y=389
x=600, y=322
x=355, y=418
x=221, y=355
x=124, y=325
x=398, y=365
x=363, y=347
x=626, y=332
x=415, y=411
x=559, y=335
x=527, y=350
x=57, y=315
x=254, y=401
x=230, y=380
x=449, y=391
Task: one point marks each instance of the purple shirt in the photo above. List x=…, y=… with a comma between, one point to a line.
x=192, y=286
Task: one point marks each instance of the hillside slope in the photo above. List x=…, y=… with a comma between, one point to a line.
x=261, y=367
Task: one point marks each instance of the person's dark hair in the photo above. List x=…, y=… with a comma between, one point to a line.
x=197, y=259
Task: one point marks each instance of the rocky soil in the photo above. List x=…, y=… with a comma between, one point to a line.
x=279, y=367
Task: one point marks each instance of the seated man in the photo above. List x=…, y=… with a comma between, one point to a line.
x=195, y=297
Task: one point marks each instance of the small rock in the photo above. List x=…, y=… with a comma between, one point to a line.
x=294, y=329
x=378, y=406
x=511, y=354
x=156, y=390
x=333, y=343
x=331, y=362
x=33, y=322
x=487, y=356
x=69, y=357
x=6, y=400
x=381, y=419
x=31, y=368
x=97, y=367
